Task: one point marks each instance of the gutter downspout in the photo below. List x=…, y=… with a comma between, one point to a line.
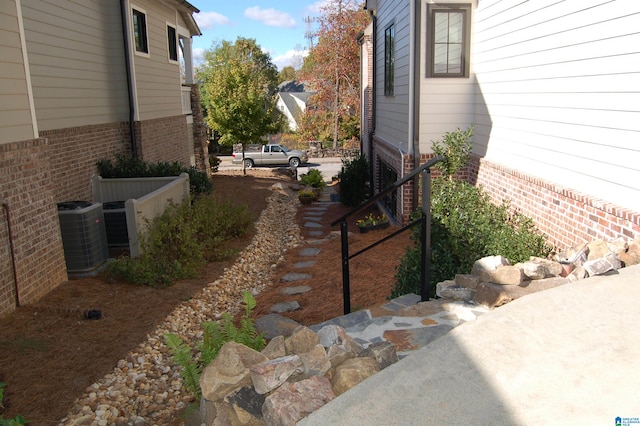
x=414, y=91
x=128, y=65
x=372, y=130
x=5, y=206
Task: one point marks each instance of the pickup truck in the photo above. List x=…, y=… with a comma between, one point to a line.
x=269, y=155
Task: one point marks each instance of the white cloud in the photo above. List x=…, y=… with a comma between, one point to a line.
x=271, y=17
x=209, y=20
x=318, y=6
x=292, y=58
x=198, y=55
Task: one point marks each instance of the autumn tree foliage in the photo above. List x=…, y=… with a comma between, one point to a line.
x=332, y=71
x=238, y=91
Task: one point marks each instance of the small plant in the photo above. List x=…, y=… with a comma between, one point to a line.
x=371, y=220
x=216, y=334
x=17, y=420
x=214, y=163
x=455, y=147
x=305, y=193
x=313, y=178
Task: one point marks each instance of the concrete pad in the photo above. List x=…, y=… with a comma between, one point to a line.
x=568, y=355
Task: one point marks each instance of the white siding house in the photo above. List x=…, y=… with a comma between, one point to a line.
x=552, y=89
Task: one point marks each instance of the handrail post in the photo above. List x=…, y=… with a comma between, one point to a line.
x=425, y=237
x=346, y=293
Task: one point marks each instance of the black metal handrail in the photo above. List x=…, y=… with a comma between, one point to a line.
x=424, y=221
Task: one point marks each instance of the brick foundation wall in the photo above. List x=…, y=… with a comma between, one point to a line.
x=566, y=216
x=164, y=139
x=73, y=153
x=402, y=164
x=26, y=188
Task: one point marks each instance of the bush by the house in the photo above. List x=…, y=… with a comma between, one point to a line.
x=465, y=227
x=128, y=167
x=178, y=242
x=354, y=181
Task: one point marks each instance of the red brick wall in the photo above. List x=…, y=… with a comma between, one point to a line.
x=566, y=216
x=26, y=189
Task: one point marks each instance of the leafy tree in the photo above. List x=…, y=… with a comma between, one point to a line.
x=286, y=74
x=333, y=70
x=238, y=81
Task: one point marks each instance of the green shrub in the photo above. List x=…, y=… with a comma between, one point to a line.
x=354, y=181
x=214, y=163
x=215, y=335
x=465, y=227
x=313, y=178
x=127, y=167
x=178, y=242
x=455, y=147
x=17, y=420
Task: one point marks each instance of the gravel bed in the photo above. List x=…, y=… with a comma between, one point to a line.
x=145, y=388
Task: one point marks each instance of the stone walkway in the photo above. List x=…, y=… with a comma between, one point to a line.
x=405, y=321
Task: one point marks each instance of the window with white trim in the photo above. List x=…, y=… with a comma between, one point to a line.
x=449, y=30
x=140, y=37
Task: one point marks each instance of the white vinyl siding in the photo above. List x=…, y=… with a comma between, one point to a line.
x=76, y=61
x=445, y=103
x=158, y=86
x=558, y=92
x=16, y=122
x=392, y=113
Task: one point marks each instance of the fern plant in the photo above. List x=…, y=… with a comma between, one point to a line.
x=215, y=335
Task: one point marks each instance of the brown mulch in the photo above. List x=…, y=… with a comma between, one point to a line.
x=49, y=354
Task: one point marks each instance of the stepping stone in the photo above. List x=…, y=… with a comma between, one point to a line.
x=307, y=264
x=272, y=325
x=285, y=307
x=310, y=251
x=315, y=233
x=312, y=225
x=315, y=242
x=295, y=276
x=314, y=213
x=345, y=321
x=415, y=338
x=290, y=291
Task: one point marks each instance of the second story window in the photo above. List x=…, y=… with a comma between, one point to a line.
x=140, y=31
x=449, y=44
x=172, y=43
x=389, y=59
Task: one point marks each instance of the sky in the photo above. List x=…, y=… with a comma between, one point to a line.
x=278, y=26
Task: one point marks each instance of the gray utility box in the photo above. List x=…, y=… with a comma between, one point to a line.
x=84, y=237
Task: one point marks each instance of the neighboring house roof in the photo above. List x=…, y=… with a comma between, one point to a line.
x=291, y=86
x=292, y=101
